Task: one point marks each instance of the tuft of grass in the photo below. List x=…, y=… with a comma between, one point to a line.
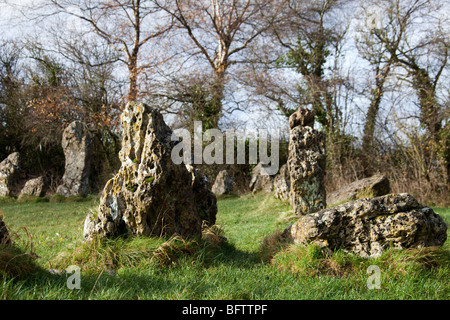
x=130, y=252
x=7, y=200
x=365, y=193
x=312, y=261
x=26, y=198
x=15, y=263
x=271, y=245
x=57, y=198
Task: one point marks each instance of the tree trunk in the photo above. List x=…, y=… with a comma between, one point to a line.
x=133, y=77
x=372, y=113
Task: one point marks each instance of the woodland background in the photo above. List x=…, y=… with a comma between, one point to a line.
x=376, y=74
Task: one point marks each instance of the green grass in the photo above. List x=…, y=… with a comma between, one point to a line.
x=208, y=267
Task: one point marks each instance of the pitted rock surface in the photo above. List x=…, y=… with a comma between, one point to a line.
x=150, y=194
x=367, y=227
x=306, y=166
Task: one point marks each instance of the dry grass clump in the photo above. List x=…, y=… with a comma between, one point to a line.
x=111, y=254
x=14, y=261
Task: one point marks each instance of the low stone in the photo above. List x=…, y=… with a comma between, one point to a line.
x=223, y=183
x=77, y=146
x=9, y=171
x=375, y=186
x=282, y=184
x=260, y=181
x=367, y=227
x=150, y=194
x=34, y=187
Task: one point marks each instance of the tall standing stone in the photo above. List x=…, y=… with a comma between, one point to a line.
x=77, y=146
x=150, y=194
x=306, y=163
x=9, y=170
x=4, y=234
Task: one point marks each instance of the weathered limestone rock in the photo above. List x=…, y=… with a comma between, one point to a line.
x=260, y=181
x=77, y=145
x=4, y=235
x=306, y=165
x=9, y=170
x=282, y=184
x=374, y=186
x=223, y=183
x=302, y=117
x=367, y=227
x=204, y=198
x=151, y=195
x=34, y=187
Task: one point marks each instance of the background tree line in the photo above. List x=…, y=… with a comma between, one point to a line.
x=374, y=72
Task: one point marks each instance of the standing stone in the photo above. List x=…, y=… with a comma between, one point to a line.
x=367, y=227
x=260, y=181
x=204, y=198
x=9, y=171
x=34, y=187
x=282, y=184
x=375, y=186
x=150, y=194
x=223, y=183
x=77, y=145
x=4, y=235
x=306, y=164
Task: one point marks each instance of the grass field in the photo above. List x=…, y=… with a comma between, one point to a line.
x=48, y=235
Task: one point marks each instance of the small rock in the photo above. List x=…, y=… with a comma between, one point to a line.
x=374, y=186
x=223, y=183
x=260, y=181
x=34, y=187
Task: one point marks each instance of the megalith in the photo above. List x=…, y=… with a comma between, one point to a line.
x=150, y=195
x=77, y=146
x=306, y=163
x=367, y=227
x=9, y=171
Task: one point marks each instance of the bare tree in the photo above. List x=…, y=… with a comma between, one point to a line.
x=126, y=25
x=219, y=31
x=424, y=56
